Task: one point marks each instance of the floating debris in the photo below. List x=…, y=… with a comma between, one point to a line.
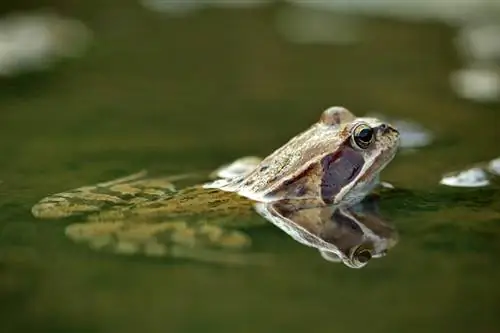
x=479, y=41
x=450, y=12
x=30, y=42
x=478, y=44
x=341, y=22
x=480, y=84
x=477, y=176
x=494, y=166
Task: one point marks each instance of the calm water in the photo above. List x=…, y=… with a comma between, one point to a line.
x=178, y=95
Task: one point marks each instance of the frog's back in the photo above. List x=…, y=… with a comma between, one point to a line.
x=191, y=201
x=115, y=194
x=198, y=200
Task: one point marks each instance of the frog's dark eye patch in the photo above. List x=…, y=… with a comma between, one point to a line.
x=339, y=169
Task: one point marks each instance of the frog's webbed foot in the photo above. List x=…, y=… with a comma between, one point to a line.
x=173, y=239
x=121, y=192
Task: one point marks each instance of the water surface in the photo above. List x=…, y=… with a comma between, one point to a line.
x=177, y=95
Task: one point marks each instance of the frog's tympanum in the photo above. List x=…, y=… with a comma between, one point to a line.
x=310, y=188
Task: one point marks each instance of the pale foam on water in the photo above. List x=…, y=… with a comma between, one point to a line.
x=477, y=176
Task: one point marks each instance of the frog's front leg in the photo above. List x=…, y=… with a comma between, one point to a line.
x=173, y=239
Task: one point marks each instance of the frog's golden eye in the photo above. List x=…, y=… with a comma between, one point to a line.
x=362, y=136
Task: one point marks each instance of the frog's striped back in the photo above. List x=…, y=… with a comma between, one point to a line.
x=191, y=201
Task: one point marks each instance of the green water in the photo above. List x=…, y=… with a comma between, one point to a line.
x=177, y=95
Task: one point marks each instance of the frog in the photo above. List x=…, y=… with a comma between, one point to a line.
x=334, y=162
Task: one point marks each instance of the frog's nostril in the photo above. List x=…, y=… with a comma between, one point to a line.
x=385, y=129
x=382, y=129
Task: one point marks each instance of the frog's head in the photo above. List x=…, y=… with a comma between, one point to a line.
x=334, y=161
x=362, y=148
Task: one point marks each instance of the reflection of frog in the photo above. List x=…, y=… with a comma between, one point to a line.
x=352, y=235
x=336, y=161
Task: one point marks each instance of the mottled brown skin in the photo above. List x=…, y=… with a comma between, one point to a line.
x=191, y=201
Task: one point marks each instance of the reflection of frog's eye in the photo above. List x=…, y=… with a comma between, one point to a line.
x=364, y=256
x=359, y=257
x=362, y=136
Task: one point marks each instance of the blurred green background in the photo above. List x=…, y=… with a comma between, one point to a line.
x=178, y=93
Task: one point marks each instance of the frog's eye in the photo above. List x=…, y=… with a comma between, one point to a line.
x=362, y=136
